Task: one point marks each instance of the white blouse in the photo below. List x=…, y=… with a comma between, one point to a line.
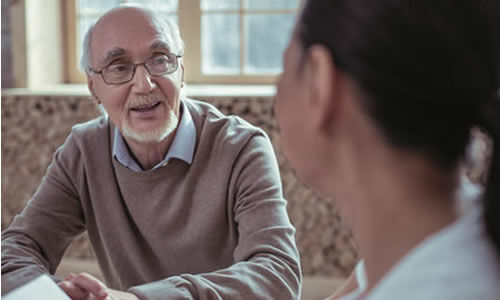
x=459, y=262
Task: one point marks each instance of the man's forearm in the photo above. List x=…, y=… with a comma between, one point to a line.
x=261, y=278
x=20, y=263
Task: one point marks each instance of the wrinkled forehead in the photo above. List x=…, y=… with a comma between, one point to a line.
x=129, y=32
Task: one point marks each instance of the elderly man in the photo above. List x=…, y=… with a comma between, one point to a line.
x=179, y=200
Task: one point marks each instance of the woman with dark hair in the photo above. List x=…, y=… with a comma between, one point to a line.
x=376, y=105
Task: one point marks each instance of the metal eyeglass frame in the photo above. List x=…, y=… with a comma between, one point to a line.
x=170, y=55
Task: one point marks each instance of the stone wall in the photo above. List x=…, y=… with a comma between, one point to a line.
x=33, y=127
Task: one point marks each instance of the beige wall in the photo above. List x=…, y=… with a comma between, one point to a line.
x=44, y=42
x=36, y=39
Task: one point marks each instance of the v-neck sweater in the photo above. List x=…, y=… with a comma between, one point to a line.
x=215, y=229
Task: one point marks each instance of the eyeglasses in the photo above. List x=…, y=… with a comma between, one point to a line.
x=123, y=72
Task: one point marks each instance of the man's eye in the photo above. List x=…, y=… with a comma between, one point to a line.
x=118, y=68
x=160, y=60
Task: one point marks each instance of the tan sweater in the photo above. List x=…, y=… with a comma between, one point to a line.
x=216, y=229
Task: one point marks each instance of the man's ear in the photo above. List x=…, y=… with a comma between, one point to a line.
x=321, y=74
x=183, y=73
x=90, y=84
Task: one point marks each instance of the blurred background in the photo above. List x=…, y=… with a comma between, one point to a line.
x=227, y=41
x=232, y=59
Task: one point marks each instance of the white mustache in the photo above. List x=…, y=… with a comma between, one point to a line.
x=143, y=101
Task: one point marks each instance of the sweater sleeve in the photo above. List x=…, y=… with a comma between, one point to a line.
x=37, y=238
x=266, y=260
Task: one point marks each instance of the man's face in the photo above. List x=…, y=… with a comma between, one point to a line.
x=146, y=108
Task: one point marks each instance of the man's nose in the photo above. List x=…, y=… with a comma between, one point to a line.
x=143, y=82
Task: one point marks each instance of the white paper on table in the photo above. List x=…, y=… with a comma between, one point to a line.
x=40, y=288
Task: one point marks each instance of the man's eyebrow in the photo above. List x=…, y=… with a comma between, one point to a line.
x=160, y=45
x=112, y=54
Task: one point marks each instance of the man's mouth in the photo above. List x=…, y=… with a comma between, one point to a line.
x=145, y=107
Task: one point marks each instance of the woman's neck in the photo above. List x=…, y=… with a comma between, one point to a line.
x=394, y=202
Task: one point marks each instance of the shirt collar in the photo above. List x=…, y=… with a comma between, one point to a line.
x=182, y=146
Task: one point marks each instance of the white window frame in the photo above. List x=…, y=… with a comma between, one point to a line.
x=189, y=16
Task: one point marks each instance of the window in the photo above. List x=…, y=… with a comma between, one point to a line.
x=227, y=41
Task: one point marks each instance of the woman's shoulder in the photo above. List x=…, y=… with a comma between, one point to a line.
x=458, y=262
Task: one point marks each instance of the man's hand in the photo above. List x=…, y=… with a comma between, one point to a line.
x=86, y=287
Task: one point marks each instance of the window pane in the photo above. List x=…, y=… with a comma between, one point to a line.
x=265, y=47
x=100, y=6
x=271, y=4
x=219, y=4
x=159, y=5
x=95, y=6
x=220, y=43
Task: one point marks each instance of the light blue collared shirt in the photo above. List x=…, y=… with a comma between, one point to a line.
x=182, y=146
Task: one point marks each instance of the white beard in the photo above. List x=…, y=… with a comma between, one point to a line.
x=155, y=135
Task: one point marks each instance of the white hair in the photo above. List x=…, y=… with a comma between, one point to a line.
x=169, y=29
x=85, y=59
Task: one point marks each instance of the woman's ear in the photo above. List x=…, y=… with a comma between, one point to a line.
x=324, y=86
